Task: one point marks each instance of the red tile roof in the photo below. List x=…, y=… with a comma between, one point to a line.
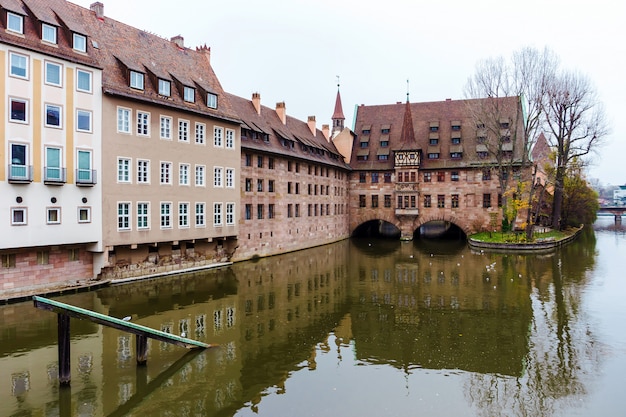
x=442, y=113
x=295, y=132
x=121, y=48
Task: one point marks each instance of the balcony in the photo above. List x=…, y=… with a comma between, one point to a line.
x=86, y=177
x=20, y=174
x=54, y=176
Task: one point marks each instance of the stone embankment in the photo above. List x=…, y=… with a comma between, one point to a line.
x=539, y=245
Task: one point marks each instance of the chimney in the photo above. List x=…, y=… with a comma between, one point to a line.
x=311, y=123
x=98, y=9
x=205, y=50
x=326, y=131
x=281, y=111
x=179, y=41
x=256, y=102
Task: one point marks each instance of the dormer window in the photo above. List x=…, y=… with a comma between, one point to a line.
x=15, y=23
x=504, y=125
x=456, y=127
x=136, y=80
x=385, y=129
x=211, y=100
x=79, y=43
x=164, y=88
x=48, y=33
x=189, y=94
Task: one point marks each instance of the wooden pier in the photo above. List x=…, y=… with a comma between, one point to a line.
x=142, y=333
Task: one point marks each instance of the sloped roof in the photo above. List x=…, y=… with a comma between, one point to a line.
x=122, y=48
x=421, y=116
x=307, y=147
x=60, y=13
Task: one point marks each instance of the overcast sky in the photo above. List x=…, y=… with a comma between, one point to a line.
x=293, y=51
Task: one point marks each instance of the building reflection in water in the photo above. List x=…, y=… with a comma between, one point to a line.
x=408, y=305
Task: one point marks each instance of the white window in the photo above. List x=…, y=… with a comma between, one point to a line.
x=200, y=129
x=217, y=214
x=123, y=120
x=143, y=171
x=211, y=100
x=183, y=215
x=230, y=214
x=123, y=216
x=166, y=127
x=15, y=22
x=79, y=43
x=136, y=80
x=123, y=169
x=200, y=215
x=166, y=172
x=164, y=88
x=230, y=178
x=83, y=81
x=143, y=123
x=84, y=214
x=166, y=215
x=218, y=133
x=218, y=174
x=200, y=169
x=143, y=215
x=183, y=174
x=53, y=74
x=53, y=115
x=84, y=173
x=183, y=130
x=53, y=170
x=48, y=33
x=18, y=110
x=19, y=65
x=230, y=139
x=19, y=168
x=83, y=120
x=19, y=216
x=53, y=215
x=189, y=94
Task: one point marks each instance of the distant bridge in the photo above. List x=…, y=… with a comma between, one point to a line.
x=617, y=211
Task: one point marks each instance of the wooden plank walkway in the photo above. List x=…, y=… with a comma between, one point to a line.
x=143, y=333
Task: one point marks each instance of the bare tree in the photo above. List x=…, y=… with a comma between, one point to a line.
x=507, y=128
x=576, y=123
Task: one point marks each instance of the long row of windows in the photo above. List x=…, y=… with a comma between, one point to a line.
x=223, y=214
x=293, y=210
x=19, y=67
x=19, y=215
x=222, y=138
x=54, y=170
x=411, y=176
x=410, y=201
x=292, y=166
x=222, y=177
x=15, y=24
x=136, y=81
x=19, y=113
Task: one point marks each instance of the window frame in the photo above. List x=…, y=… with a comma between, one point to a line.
x=136, y=80
x=200, y=180
x=189, y=94
x=124, y=170
x=183, y=130
x=81, y=113
x=80, y=74
x=47, y=108
x=47, y=167
x=79, y=42
x=24, y=220
x=165, y=214
x=211, y=100
x=143, y=215
x=15, y=18
x=230, y=214
x=25, y=59
x=50, y=211
x=164, y=87
x=48, y=26
x=218, y=137
x=200, y=215
x=26, y=103
x=124, y=115
x=86, y=210
x=165, y=127
x=229, y=178
x=143, y=171
x=217, y=214
x=123, y=216
x=200, y=133
x=183, y=215
x=218, y=177
x=47, y=81
x=142, y=123
x=183, y=174
x=165, y=173
x=229, y=139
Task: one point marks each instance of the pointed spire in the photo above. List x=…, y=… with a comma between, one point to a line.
x=407, y=135
x=338, y=117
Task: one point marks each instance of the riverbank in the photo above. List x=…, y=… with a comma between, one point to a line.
x=541, y=244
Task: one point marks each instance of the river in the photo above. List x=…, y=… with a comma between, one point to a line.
x=358, y=328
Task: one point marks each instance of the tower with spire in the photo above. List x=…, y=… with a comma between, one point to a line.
x=338, y=117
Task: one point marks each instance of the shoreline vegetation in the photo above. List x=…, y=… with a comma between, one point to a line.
x=516, y=241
